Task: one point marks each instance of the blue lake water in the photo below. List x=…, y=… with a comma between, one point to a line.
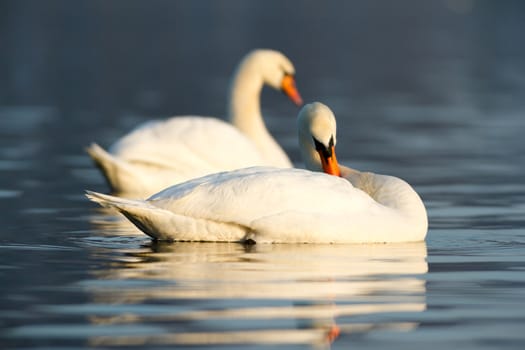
x=433, y=93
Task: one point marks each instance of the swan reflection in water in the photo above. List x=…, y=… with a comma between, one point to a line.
x=227, y=293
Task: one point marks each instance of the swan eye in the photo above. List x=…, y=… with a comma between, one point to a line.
x=320, y=148
x=285, y=71
x=318, y=145
x=287, y=76
x=331, y=142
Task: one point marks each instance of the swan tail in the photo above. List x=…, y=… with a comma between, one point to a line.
x=162, y=224
x=146, y=217
x=118, y=203
x=116, y=172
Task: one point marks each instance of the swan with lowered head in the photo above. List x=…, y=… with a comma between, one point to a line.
x=158, y=154
x=263, y=204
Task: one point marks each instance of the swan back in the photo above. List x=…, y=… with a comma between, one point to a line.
x=394, y=194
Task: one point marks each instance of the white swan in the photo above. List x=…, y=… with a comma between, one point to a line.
x=264, y=204
x=159, y=154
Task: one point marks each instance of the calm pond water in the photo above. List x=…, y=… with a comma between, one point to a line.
x=430, y=92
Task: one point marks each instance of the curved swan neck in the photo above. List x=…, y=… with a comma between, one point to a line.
x=244, y=110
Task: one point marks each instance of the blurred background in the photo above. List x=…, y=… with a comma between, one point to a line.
x=103, y=58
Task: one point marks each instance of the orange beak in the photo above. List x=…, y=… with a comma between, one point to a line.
x=333, y=333
x=330, y=165
x=289, y=88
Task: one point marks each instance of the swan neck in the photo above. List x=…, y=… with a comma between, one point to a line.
x=244, y=110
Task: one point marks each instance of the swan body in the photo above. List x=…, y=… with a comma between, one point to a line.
x=162, y=153
x=159, y=153
x=266, y=204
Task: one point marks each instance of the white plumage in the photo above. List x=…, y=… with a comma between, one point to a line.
x=265, y=204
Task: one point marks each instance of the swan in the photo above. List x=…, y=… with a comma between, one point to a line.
x=158, y=154
x=277, y=205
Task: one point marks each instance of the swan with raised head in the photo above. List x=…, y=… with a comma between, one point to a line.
x=264, y=204
x=158, y=154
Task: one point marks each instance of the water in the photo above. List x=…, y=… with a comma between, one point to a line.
x=433, y=93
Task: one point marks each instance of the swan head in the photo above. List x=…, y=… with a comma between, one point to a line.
x=275, y=70
x=317, y=138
